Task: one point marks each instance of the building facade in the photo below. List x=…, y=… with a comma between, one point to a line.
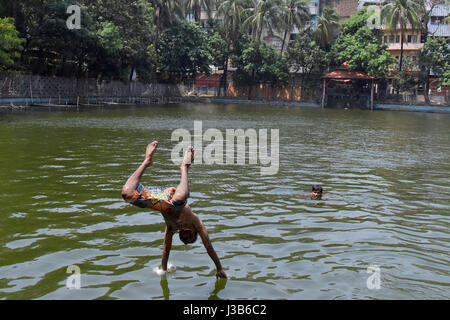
x=344, y=8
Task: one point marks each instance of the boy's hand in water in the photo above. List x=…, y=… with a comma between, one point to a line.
x=151, y=148
x=221, y=274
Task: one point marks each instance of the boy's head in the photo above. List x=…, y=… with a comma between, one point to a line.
x=316, y=192
x=188, y=236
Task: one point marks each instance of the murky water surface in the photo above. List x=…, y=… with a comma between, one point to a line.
x=386, y=174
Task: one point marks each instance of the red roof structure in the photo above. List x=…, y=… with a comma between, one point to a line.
x=344, y=75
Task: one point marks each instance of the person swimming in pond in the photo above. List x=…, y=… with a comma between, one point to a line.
x=172, y=203
x=317, y=193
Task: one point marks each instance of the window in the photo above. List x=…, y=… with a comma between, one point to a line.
x=412, y=38
x=385, y=39
x=391, y=38
x=397, y=39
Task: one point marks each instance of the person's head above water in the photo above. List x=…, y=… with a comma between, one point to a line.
x=188, y=236
x=316, y=192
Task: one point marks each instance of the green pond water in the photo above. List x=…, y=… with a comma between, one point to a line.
x=386, y=175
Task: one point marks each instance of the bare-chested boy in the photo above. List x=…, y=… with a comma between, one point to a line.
x=172, y=203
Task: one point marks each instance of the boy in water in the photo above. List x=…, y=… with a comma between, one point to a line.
x=172, y=203
x=316, y=192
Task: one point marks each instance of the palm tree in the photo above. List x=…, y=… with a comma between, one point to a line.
x=293, y=13
x=166, y=12
x=195, y=6
x=231, y=14
x=230, y=10
x=397, y=15
x=325, y=22
x=261, y=15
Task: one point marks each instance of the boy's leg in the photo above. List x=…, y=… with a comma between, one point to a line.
x=182, y=191
x=133, y=181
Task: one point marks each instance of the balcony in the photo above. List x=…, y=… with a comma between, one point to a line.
x=406, y=46
x=365, y=3
x=439, y=30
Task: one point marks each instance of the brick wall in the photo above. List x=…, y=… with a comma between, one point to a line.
x=345, y=8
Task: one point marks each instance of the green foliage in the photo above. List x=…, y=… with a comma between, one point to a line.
x=150, y=37
x=259, y=63
x=184, y=48
x=404, y=80
x=108, y=36
x=50, y=43
x=435, y=55
x=126, y=32
x=326, y=22
x=362, y=48
x=304, y=56
x=218, y=49
x=10, y=43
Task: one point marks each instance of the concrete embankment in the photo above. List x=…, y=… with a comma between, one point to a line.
x=397, y=107
x=18, y=104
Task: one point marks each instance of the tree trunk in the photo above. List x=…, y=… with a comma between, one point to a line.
x=401, y=49
x=197, y=13
x=284, y=40
x=224, y=80
x=261, y=28
x=14, y=11
x=427, y=87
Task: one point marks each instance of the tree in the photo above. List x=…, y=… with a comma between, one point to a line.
x=293, y=13
x=325, y=23
x=231, y=12
x=184, y=51
x=195, y=6
x=426, y=10
x=10, y=43
x=259, y=63
x=262, y=15
x=435, y=55
x=51, y=47
x=166, y=13
x=397, y=15
x=136, y=31
x=362, y=48
x=404, y=80
x=304, y=56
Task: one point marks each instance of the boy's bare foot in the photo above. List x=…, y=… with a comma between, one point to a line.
x=151, y=148
x=188, y=157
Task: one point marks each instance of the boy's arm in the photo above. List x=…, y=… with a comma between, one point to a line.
x=209, y=248
x=168, y=235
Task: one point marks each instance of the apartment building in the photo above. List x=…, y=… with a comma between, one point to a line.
x=344, y=8
x=438, y=25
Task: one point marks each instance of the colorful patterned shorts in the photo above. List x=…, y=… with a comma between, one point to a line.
x=156, y=198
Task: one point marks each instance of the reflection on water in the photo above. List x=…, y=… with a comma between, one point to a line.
x=386, y=173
